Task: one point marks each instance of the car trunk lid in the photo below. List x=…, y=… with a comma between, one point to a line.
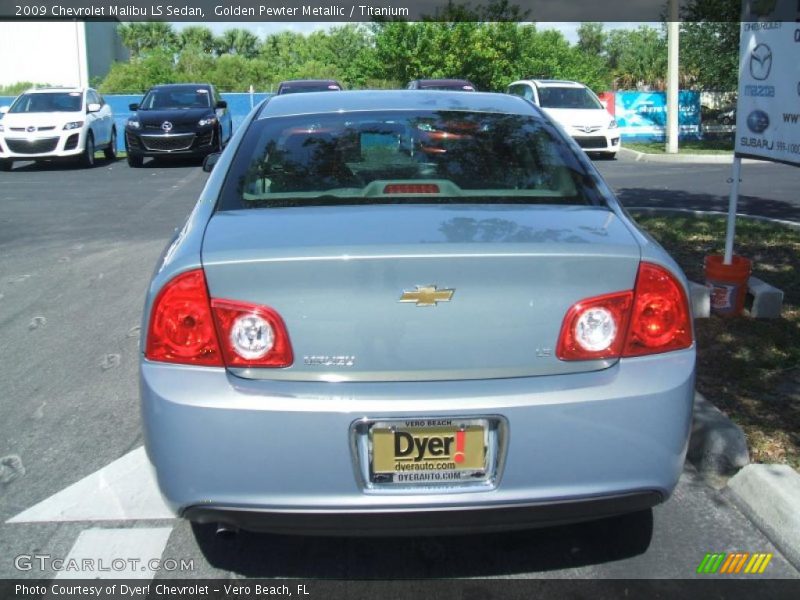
x=365, y=292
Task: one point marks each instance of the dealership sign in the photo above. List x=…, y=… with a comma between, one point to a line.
x=768, y=107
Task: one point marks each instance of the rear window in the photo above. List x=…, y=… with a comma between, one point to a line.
x=404, y=156
x=567, y=97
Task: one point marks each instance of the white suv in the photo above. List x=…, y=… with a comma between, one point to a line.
x=576, y=108
x=52, y=123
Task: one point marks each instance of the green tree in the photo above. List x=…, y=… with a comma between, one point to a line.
x=638, y=57
x=592, y=39
x=142, y=37
x=285, y=50
x=197, y=38
x=237, y=41
x=710, y=44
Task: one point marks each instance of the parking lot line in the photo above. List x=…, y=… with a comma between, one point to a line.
x=124, y=490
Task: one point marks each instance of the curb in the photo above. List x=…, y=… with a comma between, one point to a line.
x=769, y=495
x=705, y=213
x=717, y=446
x=697, y=159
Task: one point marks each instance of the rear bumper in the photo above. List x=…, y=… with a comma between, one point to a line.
x=277, y=455
x=438, y=521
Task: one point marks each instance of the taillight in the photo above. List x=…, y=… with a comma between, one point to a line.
x=595, y=328
x=411, y=188
x=181, y=326
x=252, y=335
x=187, y=327
x=652, y=318
x=661, y=320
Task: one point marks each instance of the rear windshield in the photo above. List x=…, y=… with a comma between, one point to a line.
x=404, y=156
x=567, y=97
x=44, y=102
x=176, y=98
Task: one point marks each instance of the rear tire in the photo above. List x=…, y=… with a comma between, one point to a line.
x=6, y=164
x=135, y=161
x=111, y=152
x=87, y=158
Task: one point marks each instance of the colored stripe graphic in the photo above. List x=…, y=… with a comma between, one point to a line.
x=734, y=562
x=727, y=564
x=758, y=563
x=711, y=563
x=741, y=562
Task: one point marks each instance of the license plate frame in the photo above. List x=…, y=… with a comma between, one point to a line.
x=427, y=464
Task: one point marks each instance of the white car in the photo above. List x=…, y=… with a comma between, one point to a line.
x=57, y=123
x=576, y=109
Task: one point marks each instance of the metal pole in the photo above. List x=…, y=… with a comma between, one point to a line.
x=673, y=75
x=732, y=202
x=251, y=96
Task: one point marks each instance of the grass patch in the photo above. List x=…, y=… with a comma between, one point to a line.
x=749, y=368
x=717, y=146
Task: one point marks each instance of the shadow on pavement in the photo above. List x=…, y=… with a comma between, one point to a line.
x=751, y=205
x=265, y=555
x=60, y=165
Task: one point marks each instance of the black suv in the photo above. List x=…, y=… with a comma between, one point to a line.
x=187, y=119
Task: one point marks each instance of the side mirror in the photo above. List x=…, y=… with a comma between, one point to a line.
x=133, y=107
x=4, y=109
x=209, y=161
x=222, y=104
x=93, y=107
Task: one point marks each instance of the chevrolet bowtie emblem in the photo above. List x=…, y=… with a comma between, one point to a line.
x=427, y=295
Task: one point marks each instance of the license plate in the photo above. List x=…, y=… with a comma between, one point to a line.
x=430, y=451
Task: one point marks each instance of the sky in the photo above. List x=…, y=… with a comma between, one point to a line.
x=570, y=30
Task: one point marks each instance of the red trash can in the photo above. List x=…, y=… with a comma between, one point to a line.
x=728, y=284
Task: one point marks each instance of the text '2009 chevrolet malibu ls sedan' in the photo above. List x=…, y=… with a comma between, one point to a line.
x=405, y=311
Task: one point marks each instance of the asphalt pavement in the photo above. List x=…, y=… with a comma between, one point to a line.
x=77, y=248
x=766, y=190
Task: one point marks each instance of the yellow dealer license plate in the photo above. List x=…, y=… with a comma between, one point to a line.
x=429, y=451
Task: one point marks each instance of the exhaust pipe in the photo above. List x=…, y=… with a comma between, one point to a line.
x=226, y=532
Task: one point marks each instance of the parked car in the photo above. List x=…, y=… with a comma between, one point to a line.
x=727, y=116
x=458, y=85
x=184, y=120
x=57, y=123
x=577, y=109
x=409, y=311
x=296, y=86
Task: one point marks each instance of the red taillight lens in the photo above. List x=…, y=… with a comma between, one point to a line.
x=252, y=335
x=595, y=328
x=185, y=325
x=653, y=318
x=181, y=327
x=661, y=320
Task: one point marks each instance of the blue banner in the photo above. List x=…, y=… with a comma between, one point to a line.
x=642, y=116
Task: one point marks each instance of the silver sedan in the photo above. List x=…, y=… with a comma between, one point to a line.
x=411, y=311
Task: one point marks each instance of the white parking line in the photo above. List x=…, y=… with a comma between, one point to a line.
x=124, y=490
x=115, y=554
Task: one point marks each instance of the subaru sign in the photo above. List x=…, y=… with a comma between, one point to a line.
x=768, y=110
